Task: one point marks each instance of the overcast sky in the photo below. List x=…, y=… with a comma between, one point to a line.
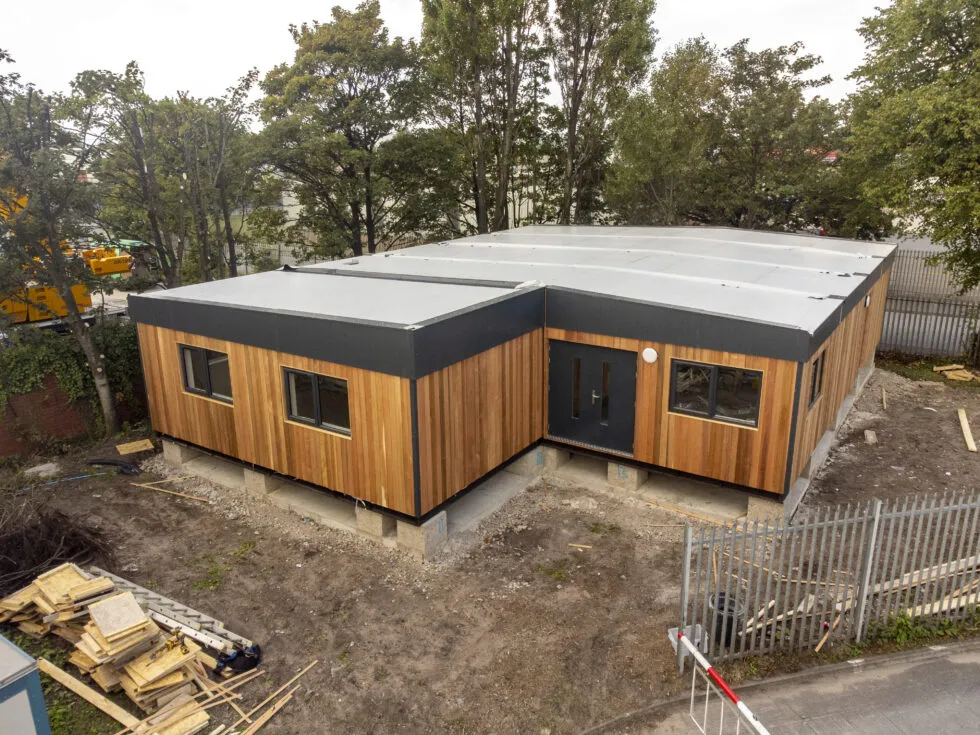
x=205, y=46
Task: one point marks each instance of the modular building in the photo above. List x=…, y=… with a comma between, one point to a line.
x=402, y=378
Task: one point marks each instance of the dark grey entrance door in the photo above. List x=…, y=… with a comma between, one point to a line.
x=592, y=395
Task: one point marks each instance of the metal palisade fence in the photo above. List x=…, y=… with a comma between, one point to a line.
x=925, y=313
x=840, y=574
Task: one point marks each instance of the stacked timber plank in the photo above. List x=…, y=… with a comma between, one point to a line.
x=115, y=642
x=956, y=372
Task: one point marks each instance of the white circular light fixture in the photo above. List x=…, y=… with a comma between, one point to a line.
x=867, y=301
x=649, y=355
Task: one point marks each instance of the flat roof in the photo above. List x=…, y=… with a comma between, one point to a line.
x=391, y=302
x=789, y=280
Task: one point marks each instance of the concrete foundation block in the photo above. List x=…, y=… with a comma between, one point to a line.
x=625, y=476
x=538, y=461
x=425, y=541
x=764, y=509
x=177, y=454
x=260, y=484
x=373, y=523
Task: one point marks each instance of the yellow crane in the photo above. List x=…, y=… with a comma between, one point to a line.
x=38, y=303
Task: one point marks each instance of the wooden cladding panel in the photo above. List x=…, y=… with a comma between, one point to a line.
x=173, y=410
x=754, y=457
x=478, y=413
x=374, y=463
x=851, y=346
x=728, y=452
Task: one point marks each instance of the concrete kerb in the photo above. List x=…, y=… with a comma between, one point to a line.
x=914, y=656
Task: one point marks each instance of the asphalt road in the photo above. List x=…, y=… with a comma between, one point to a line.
x=905, y=696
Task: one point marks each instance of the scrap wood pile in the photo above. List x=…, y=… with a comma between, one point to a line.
x=956, y=372
x=122, y=648
x=958, y=592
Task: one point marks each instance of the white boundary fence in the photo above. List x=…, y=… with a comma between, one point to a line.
x=755, y=588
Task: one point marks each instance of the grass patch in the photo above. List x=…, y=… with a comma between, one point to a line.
x=214, y=576
x=604, y=528
x=555, y=572
x=68, y=713
x=922, y=369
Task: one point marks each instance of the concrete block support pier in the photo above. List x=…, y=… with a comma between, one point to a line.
x=625, y=476
x=425, y=541
x=177, y=454
x=373, y=523
x=260, y=484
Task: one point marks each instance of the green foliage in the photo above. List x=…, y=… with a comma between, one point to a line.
x=33, y=355
x=903, y=629
x=916, y=121
x=329, y=114
x=601, y=50
x=68, y=714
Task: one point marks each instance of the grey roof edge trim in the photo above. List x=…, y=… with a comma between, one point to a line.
x=382, y=348
x=445, y=341
x=585, y=311
x=379, y=275
x=853, y=300
x=145, y=301
x=377, y=348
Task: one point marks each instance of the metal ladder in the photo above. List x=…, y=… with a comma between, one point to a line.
x=173, y=614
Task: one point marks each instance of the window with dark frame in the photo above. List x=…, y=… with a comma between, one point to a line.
x=716, y=392
x=317, y=400
x=206, y=373
x=816, y=378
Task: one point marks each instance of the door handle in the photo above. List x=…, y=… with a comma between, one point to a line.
x=595, y=396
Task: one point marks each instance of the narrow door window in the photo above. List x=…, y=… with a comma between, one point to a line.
x=604, y=408
x=576, y=384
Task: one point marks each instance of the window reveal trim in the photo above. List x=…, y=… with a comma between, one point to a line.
x=316, y=422
x=206, y=392
x=712, y=414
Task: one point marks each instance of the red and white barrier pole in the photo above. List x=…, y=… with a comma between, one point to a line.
x=722, y=684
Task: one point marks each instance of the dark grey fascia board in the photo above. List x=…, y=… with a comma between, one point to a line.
x=583, y=311
x=382, y=348
x=447, y=340
x=378, y=347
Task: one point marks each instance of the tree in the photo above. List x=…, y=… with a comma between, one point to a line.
x=915, y=122
x=601, y=51
x=773, y=139
x=47, y=144
x=665, y=138
x=326, y=114
x=484, y=62
x=136, y=169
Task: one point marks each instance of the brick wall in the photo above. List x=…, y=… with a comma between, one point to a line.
x=31, y=419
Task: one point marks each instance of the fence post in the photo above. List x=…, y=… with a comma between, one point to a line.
x=685, y=590
x=866, y=567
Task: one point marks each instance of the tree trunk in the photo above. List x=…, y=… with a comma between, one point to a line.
x=229, y=235
x=151, y=199
x=568, y=187
x=355, y=229
x=96, y=363
x=369, y=209
x=480, y=183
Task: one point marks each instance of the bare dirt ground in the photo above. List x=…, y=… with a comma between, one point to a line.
x=920, y=445
x=520, y=633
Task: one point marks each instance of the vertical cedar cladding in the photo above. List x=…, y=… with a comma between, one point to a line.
x=373, y=463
